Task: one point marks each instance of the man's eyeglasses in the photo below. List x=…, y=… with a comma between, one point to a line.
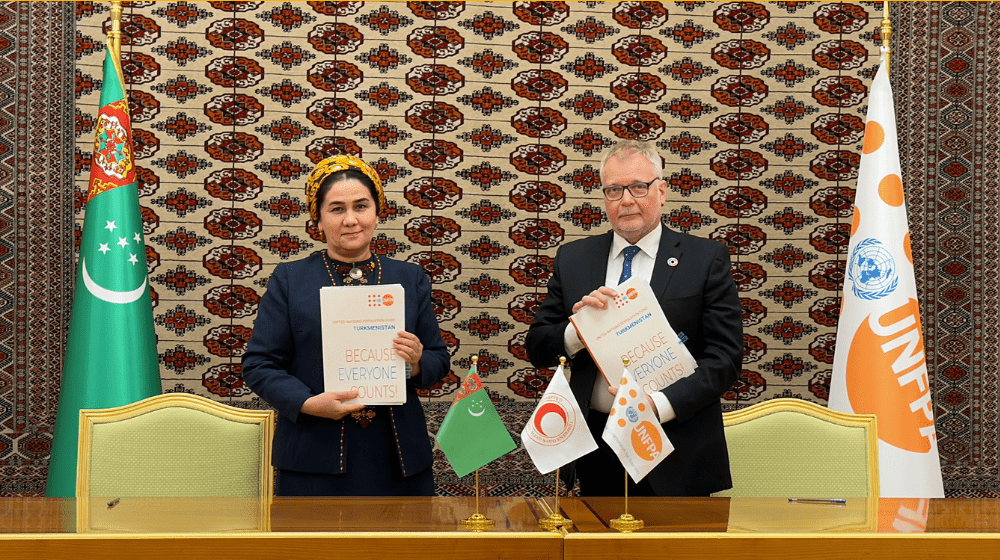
x=638, y=190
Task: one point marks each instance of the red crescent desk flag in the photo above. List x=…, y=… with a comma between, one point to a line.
x=472, y=433
x=634, y=432
x=557, y=433
x=111, y=355
x=879, y=366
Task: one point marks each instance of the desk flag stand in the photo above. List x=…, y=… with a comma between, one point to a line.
x=626, y=523
x=478, y=522
x=555, y=520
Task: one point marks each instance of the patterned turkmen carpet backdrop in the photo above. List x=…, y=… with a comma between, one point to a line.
x=487, y=120
x=36, y=232
x=947, y=98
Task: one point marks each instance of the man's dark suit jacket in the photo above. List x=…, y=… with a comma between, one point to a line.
x=700, y=300
x=284, y=365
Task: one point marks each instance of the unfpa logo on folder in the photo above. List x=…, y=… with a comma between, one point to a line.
x=622, y=299
x=376, y=301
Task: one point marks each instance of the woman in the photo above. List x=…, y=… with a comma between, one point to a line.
x=323, y=444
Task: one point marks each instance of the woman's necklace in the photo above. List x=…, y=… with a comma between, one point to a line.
x=352, y=273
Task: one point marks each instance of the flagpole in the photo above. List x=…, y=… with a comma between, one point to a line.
x=557, y=489
x=114, y=42
x=875, y=292
x=116, y=28
x=477, y=522
x=886, y=32
x=626, y=523
x=555, y=519
x=110, y=357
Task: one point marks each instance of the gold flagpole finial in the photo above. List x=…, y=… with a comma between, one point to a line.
x=886, y=32
x=116, y=27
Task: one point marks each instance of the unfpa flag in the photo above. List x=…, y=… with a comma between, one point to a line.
x=903, y=515
x=879, y=367
x=633, y=431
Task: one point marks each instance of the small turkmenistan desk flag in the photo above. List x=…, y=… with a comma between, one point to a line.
x=557, y=432
x=472, y=433
x=634, y=432
x=111, y=357
x=879, y=366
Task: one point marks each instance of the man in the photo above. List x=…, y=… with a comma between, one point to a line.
x=691, y=279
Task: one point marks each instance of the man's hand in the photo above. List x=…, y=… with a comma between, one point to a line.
x=331, y=404
x=597, y=299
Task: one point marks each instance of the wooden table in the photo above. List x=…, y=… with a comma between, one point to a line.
x=773, y=528
x=355, y=528
x=306, y=528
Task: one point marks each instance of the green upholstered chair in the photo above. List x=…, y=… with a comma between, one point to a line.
x=791, y=448
x=170, y=447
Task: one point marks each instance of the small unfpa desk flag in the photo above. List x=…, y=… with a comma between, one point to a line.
x=556, y=433
x=879, y=366
x=633, y=432
x=472, y=433
x=111, y=355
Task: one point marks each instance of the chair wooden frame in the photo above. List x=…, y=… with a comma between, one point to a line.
x=90, y=417
x=866, y=421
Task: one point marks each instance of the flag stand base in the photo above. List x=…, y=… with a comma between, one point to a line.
x=478, y=522
x=555, y=520
x=626, y=523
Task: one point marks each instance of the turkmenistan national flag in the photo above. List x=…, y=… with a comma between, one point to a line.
x=472, y=433
x=111, y=355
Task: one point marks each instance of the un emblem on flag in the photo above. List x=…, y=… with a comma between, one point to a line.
x=632, y=415
x=872, y=270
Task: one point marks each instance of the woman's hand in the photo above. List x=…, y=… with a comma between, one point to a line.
x=409, y=347
x=331, y=404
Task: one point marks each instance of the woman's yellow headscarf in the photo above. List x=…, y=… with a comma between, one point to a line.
x=331, y=165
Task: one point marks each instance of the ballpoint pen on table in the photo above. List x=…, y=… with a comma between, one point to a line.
x=831, y=501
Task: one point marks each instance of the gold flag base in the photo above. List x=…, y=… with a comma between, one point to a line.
x=555, y=520
x=627, y=524
x=477, y=522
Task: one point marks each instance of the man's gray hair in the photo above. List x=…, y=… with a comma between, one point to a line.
x=627, y=148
